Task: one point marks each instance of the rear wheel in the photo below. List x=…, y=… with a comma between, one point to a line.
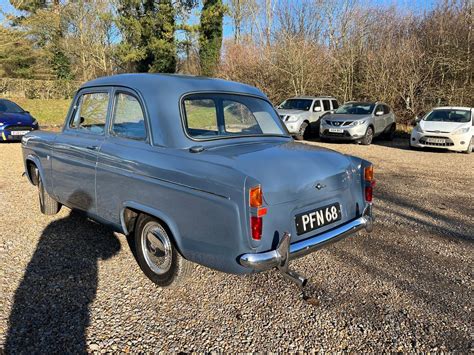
x=303, y=131
x=157, y=255
x=368, y=137
x=391, y=132
x=48, y=205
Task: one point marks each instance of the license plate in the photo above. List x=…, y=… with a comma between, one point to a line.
x=336, y=130
x=18, y=133
x=311, y=220
x=435, y=140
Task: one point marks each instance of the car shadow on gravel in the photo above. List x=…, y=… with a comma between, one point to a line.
x=50, y=313
x=447, y=226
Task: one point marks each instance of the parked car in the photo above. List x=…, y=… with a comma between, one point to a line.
x=197, y=170
x=449, y=128
x=14, y=121
x=359, y=122
x=301, y=114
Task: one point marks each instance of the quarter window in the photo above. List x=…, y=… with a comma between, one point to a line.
x=91, y=113
x=128, y=120
x=326, y=105
x=335, y=105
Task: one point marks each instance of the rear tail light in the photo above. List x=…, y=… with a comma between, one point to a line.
x=256, y=224
x=369, y=183
x=256, y=212
x=368, y=193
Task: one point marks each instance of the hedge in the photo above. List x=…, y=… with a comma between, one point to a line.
x=38, y=89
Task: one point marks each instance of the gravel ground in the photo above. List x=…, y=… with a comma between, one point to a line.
x=69, y=284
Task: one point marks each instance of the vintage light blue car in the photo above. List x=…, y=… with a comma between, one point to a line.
x=197, y=170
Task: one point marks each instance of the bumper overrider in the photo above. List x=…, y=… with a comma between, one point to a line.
x=286, y=251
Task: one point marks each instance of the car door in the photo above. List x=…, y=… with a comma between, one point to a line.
x=122, y=161
x=76, y=149
x=379, y=119
x=316, y=111
x=326, y=106
x=389, y=116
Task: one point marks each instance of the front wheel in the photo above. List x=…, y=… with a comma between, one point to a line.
x=368, y=137
x=157, y=255
x=470, y=147
x=48, y=205
x=303, y=131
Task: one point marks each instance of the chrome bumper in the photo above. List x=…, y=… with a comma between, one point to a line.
x=286, y=251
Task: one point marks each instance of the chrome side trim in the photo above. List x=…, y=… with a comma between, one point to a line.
x=274, y=258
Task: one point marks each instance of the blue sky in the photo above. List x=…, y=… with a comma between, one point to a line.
x=409, y=5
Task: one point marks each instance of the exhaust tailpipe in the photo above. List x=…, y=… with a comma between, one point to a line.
x=293, y=276
x=283, y=251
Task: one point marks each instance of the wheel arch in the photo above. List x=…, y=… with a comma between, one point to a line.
x=130, y=212
x=33, y=162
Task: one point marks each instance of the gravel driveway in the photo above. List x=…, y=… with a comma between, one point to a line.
x=69, y=284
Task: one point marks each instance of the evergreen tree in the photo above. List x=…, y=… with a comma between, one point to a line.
x=210, y=35
x=43, y=22
x=17, y=58
x=148, y=28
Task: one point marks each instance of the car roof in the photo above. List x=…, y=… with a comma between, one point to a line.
x=365, y=102
x=453, y=108
x=177, y=84
x=312, y=97
x=162, y=95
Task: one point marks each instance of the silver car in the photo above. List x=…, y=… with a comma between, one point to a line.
x=301, y=114
x=359, y=122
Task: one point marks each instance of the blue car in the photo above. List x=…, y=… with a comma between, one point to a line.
x=14, y=121
x=197, y=170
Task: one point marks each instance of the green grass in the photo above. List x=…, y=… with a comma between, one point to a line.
x=47, y=112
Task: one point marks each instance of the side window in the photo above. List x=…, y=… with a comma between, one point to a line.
x=239, y=119
x=386, y=109
x=201, y=117
x=326, y=105
x=378, y=108
x=335, y=105
x=128, y=120
x=317, y=103
x=91, y=113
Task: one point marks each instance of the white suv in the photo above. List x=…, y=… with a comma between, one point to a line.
x=298, y=113
x=447, y=128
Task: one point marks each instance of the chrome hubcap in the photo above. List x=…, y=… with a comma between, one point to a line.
x=156, y=247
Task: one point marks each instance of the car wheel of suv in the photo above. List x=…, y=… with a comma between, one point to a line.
x=303, y=132
x=391, y=132
x=157, y=255
x=48, y=205
x=369, y=135
x=470, y=147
